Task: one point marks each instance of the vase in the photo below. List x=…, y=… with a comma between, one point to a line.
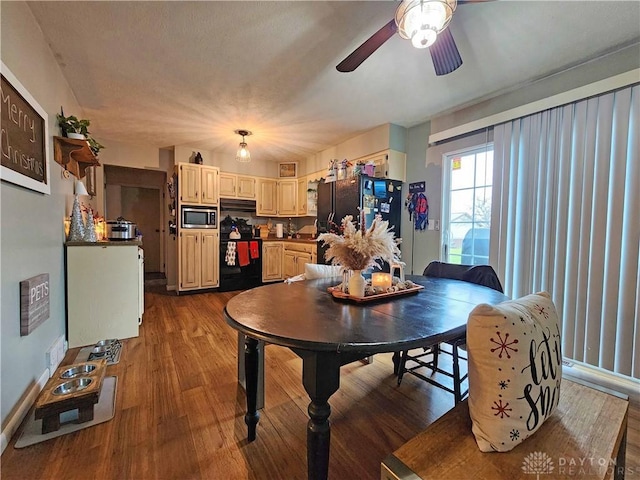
x=346, y=275
x=357, y=284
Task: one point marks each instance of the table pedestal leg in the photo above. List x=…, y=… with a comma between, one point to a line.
x=251, y=360
x=321, y=378
x=396, y=362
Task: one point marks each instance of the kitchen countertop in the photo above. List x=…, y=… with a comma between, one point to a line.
x=291, y=240
x=105, y=243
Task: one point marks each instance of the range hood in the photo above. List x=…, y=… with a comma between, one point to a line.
x=237, y=205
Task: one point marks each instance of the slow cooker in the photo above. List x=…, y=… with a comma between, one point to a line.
x=121, y=229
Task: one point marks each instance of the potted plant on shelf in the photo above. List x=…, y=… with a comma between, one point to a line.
x=72, y=127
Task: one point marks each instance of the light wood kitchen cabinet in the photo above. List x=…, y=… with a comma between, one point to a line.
x=296, y=256
x=237, y=186
x=228, y=185
x=189, y=183
x=388, y=164
x=209, y=182
x=198, y=184
x=302, y=196
x=267, y=201
x=105, y=297
x=272, y=257
x=199, y=259
x=246, y=187
x=210, y=269
x=287, y=198
x=308, y=196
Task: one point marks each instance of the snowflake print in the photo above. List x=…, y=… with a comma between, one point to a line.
x=504, y=345
x=501, y=409
x=503, y=384
x=542, y=311
x=514, y=434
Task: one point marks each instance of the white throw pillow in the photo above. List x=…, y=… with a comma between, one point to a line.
x=314, y=270
x=515, y=369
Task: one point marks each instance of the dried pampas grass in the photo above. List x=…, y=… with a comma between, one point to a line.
x=356, y=249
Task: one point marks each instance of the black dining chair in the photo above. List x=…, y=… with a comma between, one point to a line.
x=428, y=357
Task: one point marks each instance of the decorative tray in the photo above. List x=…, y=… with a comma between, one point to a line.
x=336, y=292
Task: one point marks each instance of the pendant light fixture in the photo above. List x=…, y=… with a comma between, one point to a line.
x=243, y=154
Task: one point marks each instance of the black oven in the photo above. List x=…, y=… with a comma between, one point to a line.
x=240, y=258
x=199, y=217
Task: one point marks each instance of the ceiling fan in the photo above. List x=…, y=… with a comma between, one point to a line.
x=424, y=22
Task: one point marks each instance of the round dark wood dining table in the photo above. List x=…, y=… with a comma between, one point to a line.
x=327, y=333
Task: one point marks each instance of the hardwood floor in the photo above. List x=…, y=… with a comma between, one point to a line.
x=180, y=413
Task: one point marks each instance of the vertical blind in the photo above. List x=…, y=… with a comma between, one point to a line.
x=566, y=219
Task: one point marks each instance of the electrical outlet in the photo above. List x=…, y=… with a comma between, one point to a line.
x=51, y=359
x=436, y=225
x=55, y=354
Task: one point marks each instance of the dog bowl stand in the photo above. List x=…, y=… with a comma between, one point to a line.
x=49, y=406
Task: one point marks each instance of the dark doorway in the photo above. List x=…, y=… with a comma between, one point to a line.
x=137, y=195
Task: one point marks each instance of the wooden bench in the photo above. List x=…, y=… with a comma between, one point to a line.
x=585, y=437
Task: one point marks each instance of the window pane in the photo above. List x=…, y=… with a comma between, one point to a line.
x=484, y=168
x=455, y=259
x=461, y=206
x=462, y=172
x=482, y=207
x=457, y=235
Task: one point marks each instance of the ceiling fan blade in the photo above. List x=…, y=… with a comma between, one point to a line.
x=444, y=53
x=370, y=45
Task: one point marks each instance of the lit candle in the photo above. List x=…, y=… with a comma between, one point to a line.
x=380, y=279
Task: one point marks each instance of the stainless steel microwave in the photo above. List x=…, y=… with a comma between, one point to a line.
x=199, y=217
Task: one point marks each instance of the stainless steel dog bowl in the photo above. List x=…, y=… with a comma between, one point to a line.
x=101, y=349
x=78, y=370
x=106, y=343
x=71, y=386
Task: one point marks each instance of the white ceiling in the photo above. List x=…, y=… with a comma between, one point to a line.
x=190, y=73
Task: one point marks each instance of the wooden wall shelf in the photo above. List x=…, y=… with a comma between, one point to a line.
x=74, y=155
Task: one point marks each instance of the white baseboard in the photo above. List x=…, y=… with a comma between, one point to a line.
x=21, y=410
x=599, y=376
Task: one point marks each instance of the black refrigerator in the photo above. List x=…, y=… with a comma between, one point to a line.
x=351, y=196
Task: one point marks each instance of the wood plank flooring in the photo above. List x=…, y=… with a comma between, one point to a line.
x=180, y=412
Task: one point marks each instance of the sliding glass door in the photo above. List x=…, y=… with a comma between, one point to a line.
x=467, y=205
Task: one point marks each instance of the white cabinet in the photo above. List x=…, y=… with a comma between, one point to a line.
x=105, y=297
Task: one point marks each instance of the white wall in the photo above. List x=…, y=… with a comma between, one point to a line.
x=32, y=233
x=372, y=141
x=425, y=163
x=227, y=163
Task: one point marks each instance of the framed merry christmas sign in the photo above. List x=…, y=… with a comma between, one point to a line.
x=24, y=137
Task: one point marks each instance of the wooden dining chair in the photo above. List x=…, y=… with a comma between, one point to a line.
x=427, y=357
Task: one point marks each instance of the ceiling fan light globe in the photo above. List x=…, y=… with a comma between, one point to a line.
x=415, y=15
x=424, y=38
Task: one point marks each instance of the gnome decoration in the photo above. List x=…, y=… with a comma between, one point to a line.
x=76, y=231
